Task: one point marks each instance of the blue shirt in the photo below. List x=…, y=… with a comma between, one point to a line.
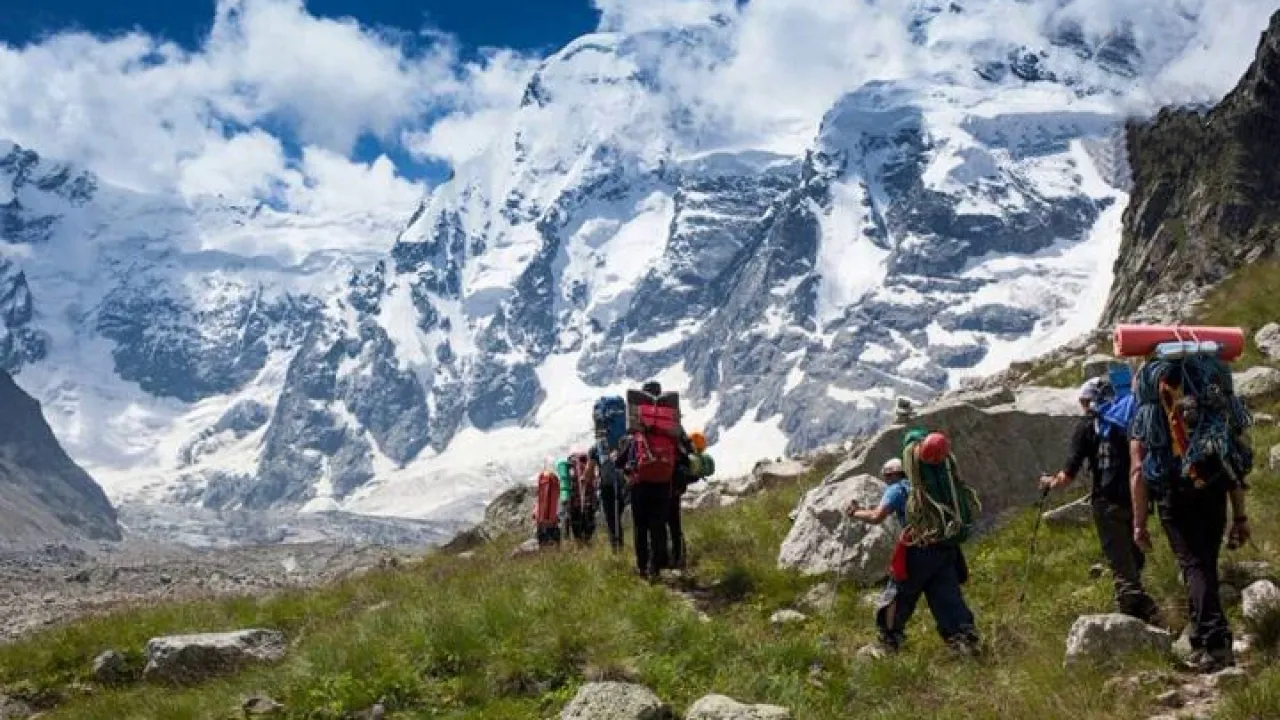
x=895, y=499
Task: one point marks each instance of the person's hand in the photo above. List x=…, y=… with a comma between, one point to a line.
x=1240, y=533
x=1142, y=538
x=853, y=507
x=1053, y=482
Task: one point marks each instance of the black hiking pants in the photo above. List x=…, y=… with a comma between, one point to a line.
x=613, y=495
x=1114, y=522
x=1195, y=521
x=937, y=572
x=649, y=505
x=674, y=528
x=582, y=523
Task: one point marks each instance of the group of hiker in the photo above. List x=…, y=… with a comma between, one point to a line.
x=1170, y=438
x=640, y=457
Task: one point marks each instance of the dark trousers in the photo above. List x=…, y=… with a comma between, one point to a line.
x=649, y=502
x=549, y=535
x=1114, y=522
x=613, y=495
x=582, y=523
x=674, y=528
x=1195, y=522
x=935, y=571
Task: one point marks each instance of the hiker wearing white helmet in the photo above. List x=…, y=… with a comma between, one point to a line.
x=894, y=500
x=1101, y=440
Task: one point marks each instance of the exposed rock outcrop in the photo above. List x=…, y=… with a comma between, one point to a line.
x=719, y=707
x=1257, y=385
x=1204, y=200
x=616, y=701
x=1268, y=341
x=1261, y=598
x=183, y=659
x=1107, y=638
x=825, y=540
x=44, y=495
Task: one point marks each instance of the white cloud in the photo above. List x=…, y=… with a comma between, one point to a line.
x=639, y=15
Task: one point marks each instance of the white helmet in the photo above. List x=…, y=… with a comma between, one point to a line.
x=1090, y=389
x=892, y=467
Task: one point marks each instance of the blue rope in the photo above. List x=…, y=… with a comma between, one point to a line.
x=1218, y=427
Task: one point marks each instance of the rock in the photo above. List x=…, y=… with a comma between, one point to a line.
x=615, y=701
x=821, y=598
x=1078, y=513
x=528, y=547
x=1097, y=570
x=869, y=653
x=1170, y=699
x=1104, y=638
x=767, y=474
x=1264, y=419
x=110, y=668
x=261, y=706
x=1001, y=450
x=510, y=513
x=1182, y=646
x=706, y=498
x=719, y=707
x=1097, y=365
x=1268, y=341
x=1258, y=384
x=787, y=617
x=1228, y=678
x=192, y=658
x=1273, y=459
x=825, y=540
x=11, y=709
x=1259, y=598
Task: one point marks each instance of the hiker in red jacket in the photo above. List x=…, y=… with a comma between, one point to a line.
x=649, y=459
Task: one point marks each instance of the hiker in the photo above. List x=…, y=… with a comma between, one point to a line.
x=691, y=467
x=547, y=513
x=1101, y=441
x=1188, y=456
x=577, y=496
x=936, y=510
x=610, y=419
x=649, y=461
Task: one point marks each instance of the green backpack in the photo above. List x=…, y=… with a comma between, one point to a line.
x=940, y=507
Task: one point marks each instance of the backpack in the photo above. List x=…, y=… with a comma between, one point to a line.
x=700, y=465
x=610, y=418
x=654, y=428
x=941, y=508
x=1190, y=423
x=582, y=494
x=546, y=508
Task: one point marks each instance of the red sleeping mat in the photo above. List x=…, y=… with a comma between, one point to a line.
x=1141, y=340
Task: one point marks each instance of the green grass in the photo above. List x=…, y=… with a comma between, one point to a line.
x=489, y=637
x=1250, y=298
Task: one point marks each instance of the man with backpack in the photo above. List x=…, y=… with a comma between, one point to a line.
x=1101, y=440
x=649, y=457
x=609, y=417
x=577, y=496
x=1189, y=455
x=937, y=511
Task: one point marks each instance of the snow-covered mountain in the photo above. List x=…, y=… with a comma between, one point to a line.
x=933, y=226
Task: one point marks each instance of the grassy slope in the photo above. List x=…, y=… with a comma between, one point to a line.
x=492, y=638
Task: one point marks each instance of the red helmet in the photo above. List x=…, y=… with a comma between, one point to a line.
x=934, y=449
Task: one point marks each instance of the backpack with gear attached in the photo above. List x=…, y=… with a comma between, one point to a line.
x=610, y=418
x=582, y=496
x=1192, y=425
x=653, y=422
x=941, y=508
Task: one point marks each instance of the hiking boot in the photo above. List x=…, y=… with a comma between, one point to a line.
x=1208, y=662
x=965, y=644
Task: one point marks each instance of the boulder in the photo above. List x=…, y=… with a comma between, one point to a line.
x=767, y=474
x=615, y=701
x=1259, y=598
x=1002, y=450
x=787, y=617
x=825, y=540
x=1074, y=514
x=110, y=668
x=719, y=707
x=510, y=513
x=1268, y=341
x=261, y=706
x=192, y=658
x=1104, y=638
x=1258, y=384
x=526, y=548
x=821, y=598
x=11, y=709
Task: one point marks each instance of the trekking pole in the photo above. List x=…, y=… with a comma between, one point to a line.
x=1031, y=551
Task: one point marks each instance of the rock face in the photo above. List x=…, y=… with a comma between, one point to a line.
x=1106, y=638
x=1258, y=384
x=1203, y=202
x=1268, y=341
x=615, y=701
x=1259, y=598
x=44, y=495
x=825, y=540
x=1001, y=450
x=181, y=659
x=719, y=707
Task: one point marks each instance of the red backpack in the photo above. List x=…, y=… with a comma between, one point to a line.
x=546, y=510
x=654, y=442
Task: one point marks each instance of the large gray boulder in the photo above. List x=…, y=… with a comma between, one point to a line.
x=765, y=475
x=825, y=540
x=719, y=707
x=511, y=513
x=1258, y=384
x=1002, y=450
x=191, y=658
x=1103, y=639
x=1268, y=341
x=1260, y=598
x=615, y=701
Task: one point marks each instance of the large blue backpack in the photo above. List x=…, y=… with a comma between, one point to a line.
x=610, y=418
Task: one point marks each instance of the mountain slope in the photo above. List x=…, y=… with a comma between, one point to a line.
x=44, y=495
x=1206, y=195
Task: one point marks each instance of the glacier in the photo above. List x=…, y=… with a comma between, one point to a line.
x=412, y=363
